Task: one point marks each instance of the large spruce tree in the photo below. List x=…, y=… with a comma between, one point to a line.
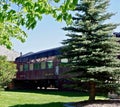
x=91, y=47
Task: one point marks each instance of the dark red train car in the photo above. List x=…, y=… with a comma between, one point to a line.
x=40, y=70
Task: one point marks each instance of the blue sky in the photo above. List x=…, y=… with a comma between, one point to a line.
x=49, y=34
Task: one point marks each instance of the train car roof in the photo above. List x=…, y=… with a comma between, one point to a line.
x=117, y=34
x=40, y=54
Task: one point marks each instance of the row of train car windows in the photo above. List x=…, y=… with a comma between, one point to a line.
x=36, y=66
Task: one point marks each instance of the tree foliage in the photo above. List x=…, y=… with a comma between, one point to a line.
x=7, y=71
x=91, y=47
x=17, y=13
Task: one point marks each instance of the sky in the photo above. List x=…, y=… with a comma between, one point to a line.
x=49, y=34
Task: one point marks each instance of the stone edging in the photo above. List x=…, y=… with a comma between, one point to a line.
x=69, y=105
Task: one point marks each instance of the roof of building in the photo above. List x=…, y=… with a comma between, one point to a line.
x=10, y=54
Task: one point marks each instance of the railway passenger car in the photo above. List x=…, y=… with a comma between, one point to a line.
x=40, y=70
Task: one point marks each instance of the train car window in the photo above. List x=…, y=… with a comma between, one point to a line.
x=64, y=60
x=25, y=67
x=31, y=66
x=36, y=66
x=21, y=67
x=50, y=64
x=43, y=65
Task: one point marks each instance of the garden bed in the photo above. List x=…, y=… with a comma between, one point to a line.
x=99, y=103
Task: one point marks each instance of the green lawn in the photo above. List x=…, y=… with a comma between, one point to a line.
x=39, y=98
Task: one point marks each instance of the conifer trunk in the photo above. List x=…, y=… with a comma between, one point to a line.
x=92, y=91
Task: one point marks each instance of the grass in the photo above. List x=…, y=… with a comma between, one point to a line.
x=40, y=98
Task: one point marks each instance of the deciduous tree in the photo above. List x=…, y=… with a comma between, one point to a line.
x=7, y=71
x=17, y=13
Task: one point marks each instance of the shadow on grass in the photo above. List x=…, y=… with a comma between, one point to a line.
x=53, y=92
x=56, y=104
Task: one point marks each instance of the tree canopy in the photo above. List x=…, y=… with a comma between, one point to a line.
x=91, y=47
x=17, y=13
